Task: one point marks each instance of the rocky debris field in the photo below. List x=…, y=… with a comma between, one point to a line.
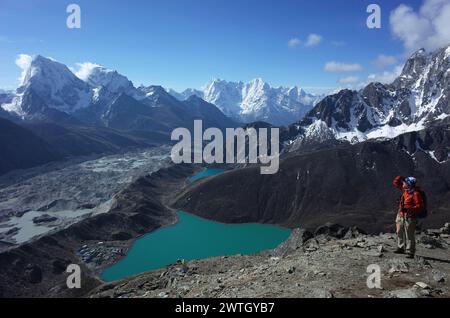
x=331, y=262
x=79, y=186
x=59, y=198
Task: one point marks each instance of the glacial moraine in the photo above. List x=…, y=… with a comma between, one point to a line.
x=71, y=193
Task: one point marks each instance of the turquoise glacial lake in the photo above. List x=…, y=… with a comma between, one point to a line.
x=205, y=173
x=194, y=238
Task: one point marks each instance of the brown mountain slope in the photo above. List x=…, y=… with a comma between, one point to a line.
x=350, y=185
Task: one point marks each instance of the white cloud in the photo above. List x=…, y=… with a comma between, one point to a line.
x=335, y=67
x=313, y=40
x=85, y=69
x=349, y=80
x=383, y=61
x=294, y=42
x=428, y=28
x=386, y=77
x=23, y=61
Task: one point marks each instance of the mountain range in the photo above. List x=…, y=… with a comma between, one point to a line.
x=417, y=99
x=100, y=113
x=51, y=92
x=102, y=102
x=255, y=101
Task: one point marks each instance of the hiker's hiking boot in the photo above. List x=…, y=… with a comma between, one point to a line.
x=399, y=251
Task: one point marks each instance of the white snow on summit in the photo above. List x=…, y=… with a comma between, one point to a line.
x=54, y=83
x=99, y=76
x=417, y=99
x=256, y=101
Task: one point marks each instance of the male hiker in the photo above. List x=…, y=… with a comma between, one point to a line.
x=411, y=205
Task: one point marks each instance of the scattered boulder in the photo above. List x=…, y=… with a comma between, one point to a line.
x=423, y=263
x=438, y=276
x=445, y=229
x=13, y=231
x=353, y=232
x=422, y=285
x=45, y=218
x=163, y=295
x=433, y=233
x=331, y=229
x=291, y=270
x=404, y=293
x=312, y=245
x=87, y=206
x=321, y=293
x=430, y=242
x=398, y=266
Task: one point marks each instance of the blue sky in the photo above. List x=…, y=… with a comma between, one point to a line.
x=186, y=43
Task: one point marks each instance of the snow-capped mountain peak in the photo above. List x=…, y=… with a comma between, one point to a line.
x=185, y=94
x=258, y=83
x=256, y=101
x=418, y=98
x=99, y=76
x=45, y=71
x=52, y=85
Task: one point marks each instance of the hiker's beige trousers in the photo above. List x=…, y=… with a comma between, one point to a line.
x=406, y=236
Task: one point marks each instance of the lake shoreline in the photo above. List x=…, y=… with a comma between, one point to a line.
x=200, y=239
x=198, y=176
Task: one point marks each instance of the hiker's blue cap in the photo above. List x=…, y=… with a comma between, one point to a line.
x=411, y=181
